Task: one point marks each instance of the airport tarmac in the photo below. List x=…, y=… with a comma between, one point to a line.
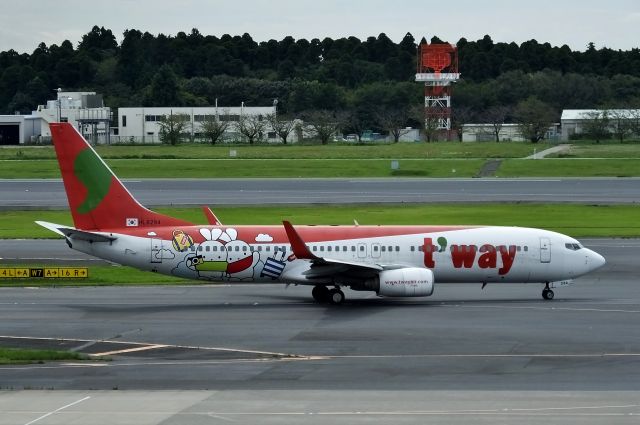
x=49, y=193
x=268, y=354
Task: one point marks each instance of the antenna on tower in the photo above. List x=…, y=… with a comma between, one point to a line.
x=438, y=70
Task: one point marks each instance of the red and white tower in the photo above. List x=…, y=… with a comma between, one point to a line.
x=437, y=69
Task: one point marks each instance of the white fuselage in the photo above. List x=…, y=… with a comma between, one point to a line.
x=483, y=254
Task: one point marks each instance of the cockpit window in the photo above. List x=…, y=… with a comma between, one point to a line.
x=573, y=246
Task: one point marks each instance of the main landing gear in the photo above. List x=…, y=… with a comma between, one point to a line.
x=547, y=293
x=324, y=295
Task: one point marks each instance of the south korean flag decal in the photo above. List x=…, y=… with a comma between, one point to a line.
x=132, y=222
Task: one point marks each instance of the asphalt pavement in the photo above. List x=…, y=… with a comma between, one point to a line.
x=268, y=354
x=49, y=193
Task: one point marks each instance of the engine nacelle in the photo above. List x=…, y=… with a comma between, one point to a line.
x=407, y=282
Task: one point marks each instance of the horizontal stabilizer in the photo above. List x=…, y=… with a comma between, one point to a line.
x=75, y=233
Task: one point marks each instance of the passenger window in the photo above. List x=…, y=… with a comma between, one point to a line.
x=413, y=248
x=322, y=248
x=375, y=248
x=344, y=248
x=353, y=248
x=268, y=249
x=208, y=248
x=383, y=248
x=314, y=248
x=200, y=248
x=361, y=248
x=329, y=249
x=526, y=248
x=397, y=249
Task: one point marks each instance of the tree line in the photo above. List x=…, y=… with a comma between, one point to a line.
x=370, y=78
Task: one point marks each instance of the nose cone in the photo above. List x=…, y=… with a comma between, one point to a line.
x=595, y=260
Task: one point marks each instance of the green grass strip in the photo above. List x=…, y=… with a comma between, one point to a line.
x=296, y=151
x=574, y=220
x=25, y=356
x=570, y=167
x=260, y=168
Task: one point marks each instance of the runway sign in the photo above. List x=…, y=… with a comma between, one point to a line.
x=44, y=272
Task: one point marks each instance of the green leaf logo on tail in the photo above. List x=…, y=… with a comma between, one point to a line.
x=95, y=176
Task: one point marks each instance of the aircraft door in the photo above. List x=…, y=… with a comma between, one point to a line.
x=545, y=250
x=156, y=250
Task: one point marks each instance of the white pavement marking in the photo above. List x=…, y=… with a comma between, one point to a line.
x=147, y=346
x=129, y=350
x=53, y=412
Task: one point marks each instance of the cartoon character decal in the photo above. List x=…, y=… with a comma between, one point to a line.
x=181, y=241
x=221, y=256
x=273, y=267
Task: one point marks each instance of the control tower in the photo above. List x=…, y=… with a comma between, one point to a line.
x=438, y=70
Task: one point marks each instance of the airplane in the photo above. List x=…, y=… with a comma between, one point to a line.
x=392, y=261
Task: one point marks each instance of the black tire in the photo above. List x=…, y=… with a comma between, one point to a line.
x=547, y=294
x=320, y=293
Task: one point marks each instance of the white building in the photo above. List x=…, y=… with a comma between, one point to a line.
x=507, y=133
x=573, y=120
x=140, y=124
x=85, y=110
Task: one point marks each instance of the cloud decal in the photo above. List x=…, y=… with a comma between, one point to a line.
x=263, y=237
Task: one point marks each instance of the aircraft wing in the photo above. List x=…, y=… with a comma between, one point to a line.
x=72, y=233
x=322, y=267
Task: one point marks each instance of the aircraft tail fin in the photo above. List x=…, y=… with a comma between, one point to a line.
x=97, y=198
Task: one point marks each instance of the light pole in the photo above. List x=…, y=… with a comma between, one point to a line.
x=58, y=90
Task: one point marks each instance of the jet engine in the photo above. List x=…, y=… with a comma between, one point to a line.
x=406, y=282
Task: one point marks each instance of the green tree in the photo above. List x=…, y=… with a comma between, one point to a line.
x=534, y=117
x=213, y=128
x=173, y=128
x=281, y=125
x=596, y=124
x=324, y=124
x=394, y=120
x=164, y=89
x=496, y=117
x=252, y=127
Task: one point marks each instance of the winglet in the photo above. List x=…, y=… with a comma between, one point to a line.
x=211, y=217
x=299, y=248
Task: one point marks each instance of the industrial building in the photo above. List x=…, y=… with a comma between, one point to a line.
x=507, y=133
x=85, y=110
x=573, y=120
x=141, y=125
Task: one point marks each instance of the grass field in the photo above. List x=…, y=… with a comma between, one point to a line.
x=570, y=167
x=212, y=168
x=614, y=220
x=23, y=356
x=443, y=150
x=605, y=150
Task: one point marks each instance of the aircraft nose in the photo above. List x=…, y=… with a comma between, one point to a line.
x=595, y=260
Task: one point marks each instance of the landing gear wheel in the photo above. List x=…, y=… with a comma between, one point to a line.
x=547, y=294
x=336, y=296
x=320, y=293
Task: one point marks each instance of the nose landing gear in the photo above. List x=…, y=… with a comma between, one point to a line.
x=547, y=293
